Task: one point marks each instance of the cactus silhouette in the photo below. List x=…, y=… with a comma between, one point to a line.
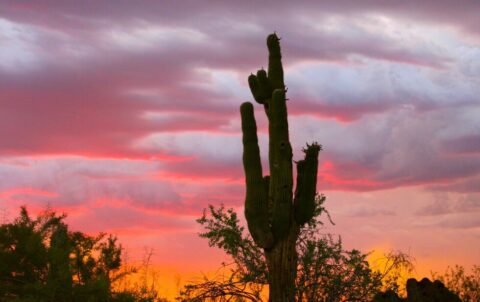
x=273, y=211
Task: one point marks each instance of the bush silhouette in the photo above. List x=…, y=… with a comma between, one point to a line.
x=42, y=261
x=421, y=291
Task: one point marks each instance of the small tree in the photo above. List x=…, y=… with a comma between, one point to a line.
x=24, y=255
x=325, y=271
x=42, y=261
x=466, y=285
x=59, y=277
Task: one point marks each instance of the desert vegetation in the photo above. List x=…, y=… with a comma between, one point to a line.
x=41, y=259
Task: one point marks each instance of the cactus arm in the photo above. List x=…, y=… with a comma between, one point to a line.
x=275, y=69
x=256, y=201
x=260, y=86
x=254, y=85
x=304, y=201
x=299, y=190
x=280, y=158
x=264, y=83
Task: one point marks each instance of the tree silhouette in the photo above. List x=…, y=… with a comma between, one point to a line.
x=325, y=271
x=42, y=261
x=465, y=284
x=59, y=279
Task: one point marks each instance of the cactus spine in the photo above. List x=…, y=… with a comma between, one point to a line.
x=274, y=213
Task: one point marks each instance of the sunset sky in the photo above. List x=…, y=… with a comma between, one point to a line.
x=125, y=116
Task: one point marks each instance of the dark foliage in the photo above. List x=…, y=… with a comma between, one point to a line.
x=465, y=284
x=420, y=291
x=325, y=270
x=42, y=261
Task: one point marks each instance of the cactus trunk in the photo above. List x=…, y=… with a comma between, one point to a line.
x=274, y=214
x=282, y=268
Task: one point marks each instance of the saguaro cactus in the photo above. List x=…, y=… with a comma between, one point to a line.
x=273, y=211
